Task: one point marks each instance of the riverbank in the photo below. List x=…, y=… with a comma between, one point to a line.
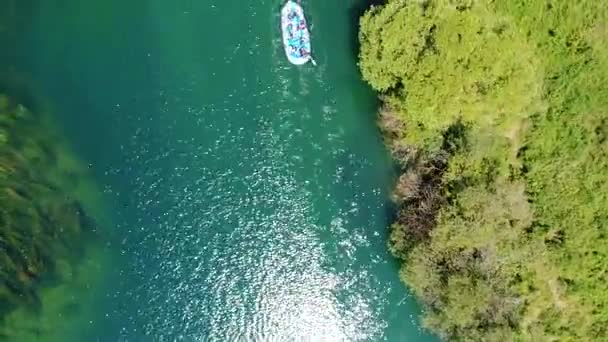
x=497, y=116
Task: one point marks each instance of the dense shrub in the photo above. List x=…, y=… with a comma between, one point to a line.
x=507, y=240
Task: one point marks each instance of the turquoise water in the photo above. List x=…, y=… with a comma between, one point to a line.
x=249, y=197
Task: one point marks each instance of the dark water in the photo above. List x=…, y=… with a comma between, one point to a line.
x=249, y=197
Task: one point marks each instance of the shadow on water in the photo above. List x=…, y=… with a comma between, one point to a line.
x=14, y=16
x=19, y=86
x=355, y=14
x=14, y=21
x=356, y=11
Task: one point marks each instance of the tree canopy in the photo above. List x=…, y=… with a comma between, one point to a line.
x=508, y=239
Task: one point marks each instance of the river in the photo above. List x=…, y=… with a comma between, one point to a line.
x=249, y=198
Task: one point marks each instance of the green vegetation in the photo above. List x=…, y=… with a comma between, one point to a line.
x=42, y=226
x=498, y=113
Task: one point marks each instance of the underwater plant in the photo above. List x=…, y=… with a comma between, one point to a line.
x=41, y=224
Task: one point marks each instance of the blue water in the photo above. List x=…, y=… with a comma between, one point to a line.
x=249, y=197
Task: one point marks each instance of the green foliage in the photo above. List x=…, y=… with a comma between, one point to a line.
x=438, y=64
x=518, y=251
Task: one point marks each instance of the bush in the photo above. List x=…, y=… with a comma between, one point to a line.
x=507, y=239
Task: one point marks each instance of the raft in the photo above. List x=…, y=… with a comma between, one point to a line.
x=296, y=38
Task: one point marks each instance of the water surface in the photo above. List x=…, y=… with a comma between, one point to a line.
x=249, y=197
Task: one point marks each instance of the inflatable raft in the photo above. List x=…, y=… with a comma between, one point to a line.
x=296, y=38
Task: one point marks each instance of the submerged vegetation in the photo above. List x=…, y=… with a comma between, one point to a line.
x=42, y=225
x=498, y=114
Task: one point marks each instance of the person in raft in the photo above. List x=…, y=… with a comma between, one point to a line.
x=296, y=52
x=289, y=30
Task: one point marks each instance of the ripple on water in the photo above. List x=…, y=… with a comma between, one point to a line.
x=241, y=251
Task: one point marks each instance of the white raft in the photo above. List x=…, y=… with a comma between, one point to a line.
x=296, y=38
